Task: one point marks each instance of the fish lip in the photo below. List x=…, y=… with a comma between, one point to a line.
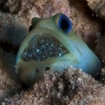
x=45, y=46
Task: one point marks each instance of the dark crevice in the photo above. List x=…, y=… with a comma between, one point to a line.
x=3, y=6
x=9, y=48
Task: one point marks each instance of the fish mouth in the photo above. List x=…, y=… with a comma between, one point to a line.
x=42, y=47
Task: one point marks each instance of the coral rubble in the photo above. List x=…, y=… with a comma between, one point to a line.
x=71, y=87
x=39, y=8
x=98, y=6
x=7, y=85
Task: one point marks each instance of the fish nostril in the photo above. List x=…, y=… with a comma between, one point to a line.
x=64, y=23
x=37, y=70
x=47, y=68
x=30, y=28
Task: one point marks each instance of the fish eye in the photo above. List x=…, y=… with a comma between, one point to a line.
x=33, y=23
x=64, y=23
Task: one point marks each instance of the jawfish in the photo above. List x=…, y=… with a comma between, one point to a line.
x=52, y=44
